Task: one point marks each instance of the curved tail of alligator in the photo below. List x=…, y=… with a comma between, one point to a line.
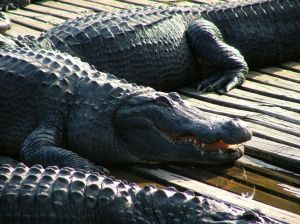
x=52, y=195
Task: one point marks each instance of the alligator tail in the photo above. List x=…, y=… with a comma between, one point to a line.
x=52, y=195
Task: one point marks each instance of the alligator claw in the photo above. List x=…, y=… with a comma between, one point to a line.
x=209, y=84
x=221, y=84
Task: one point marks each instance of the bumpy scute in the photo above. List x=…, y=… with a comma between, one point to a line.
x=158, y=47
x=49, y=195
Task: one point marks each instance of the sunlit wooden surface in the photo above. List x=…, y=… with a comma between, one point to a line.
x=269, y=102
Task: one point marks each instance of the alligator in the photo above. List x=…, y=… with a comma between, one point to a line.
x=57, y=110
x=13, y=4
x=168, y=47
x=68, y=196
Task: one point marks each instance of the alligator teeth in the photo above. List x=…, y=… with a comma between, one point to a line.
x=185, y=140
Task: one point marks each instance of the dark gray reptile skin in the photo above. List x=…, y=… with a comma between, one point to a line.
x=13, y=4
x=66, y=196
x=57, y=110
x=168, y=47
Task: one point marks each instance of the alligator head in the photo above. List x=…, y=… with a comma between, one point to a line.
x=161, y=127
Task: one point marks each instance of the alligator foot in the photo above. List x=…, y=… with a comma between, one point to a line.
x=221, y=83
x=229, y=66
x=42, y=146
x=13, y=4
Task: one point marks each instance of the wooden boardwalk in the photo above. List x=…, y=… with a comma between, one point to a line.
x=269, y=102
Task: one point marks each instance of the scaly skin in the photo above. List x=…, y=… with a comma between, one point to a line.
x=57, y=110
x=67, y=196
x=168, y=47
x=13, y=4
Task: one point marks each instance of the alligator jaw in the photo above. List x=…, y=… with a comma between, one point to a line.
x=220, y=146
x=190, y=139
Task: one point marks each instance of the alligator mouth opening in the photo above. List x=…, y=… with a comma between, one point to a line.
x=191, y=139
x=220, y=146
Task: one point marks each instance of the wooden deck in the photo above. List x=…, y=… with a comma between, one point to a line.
x=269, y=102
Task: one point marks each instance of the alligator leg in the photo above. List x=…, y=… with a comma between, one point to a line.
x=210, y=50
x=42, y=147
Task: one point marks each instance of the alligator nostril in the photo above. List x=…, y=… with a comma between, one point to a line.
x=235, y=131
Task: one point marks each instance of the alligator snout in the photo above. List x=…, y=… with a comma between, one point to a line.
x=235, y=131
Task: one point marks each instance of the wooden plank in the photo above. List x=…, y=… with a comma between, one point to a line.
x=176, y=2
x=244, y=183
x=268, y=170
x=268, y=143
x=50, y=11
x=258, y=129
x=292, y=65
x=265, y=184
x=258, y=118
x=253, y=117
x=142, y=2
x=273, y=152
x=184, y=3
x=282, y=73
x=89, y=5
x=271, y=91
x=130, y=176
x=38, y=16
x=17, y=30
x=273, y=81
x=65, y=7
x=169, y=1
x=114, y=4
x=205, y=1
x=219, y=194
x=280, y=139
x=28, y=22
x=274, y=135
x=229, y=101
x=264, y=100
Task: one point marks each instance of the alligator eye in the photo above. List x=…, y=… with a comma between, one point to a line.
x=164, y=101
x=174, y=96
